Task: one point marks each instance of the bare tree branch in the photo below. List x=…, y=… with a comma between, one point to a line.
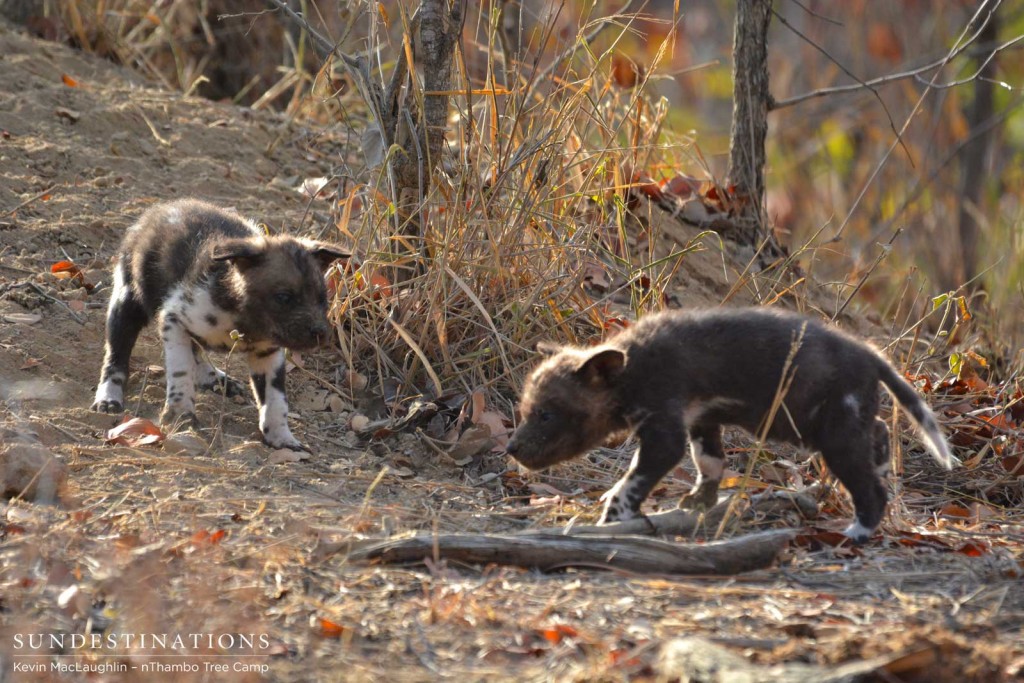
x=977, y=74
x=985, y=7
x=920, y=185
x=888, y=114
x=816, y=14
x=881, y=80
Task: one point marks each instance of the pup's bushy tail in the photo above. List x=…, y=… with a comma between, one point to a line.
x=920, y=414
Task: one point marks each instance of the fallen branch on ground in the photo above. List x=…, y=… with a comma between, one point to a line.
x=548, y=551
x=615, y=546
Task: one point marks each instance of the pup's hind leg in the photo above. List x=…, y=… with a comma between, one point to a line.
x=125, y=319
x=709, y=457
x=881, y=456
x=662, y=444
x=210, y=378
x=855, y=450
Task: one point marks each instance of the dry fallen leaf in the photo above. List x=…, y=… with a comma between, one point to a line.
x=472, y=441
x=555, y=634
x=325, y=628
x=134, y=432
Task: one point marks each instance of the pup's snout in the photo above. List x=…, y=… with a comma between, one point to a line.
x=320, y=332
x=511, y=447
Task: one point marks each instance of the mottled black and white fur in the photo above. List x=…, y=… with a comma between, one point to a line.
x=677, y=377
x=215, y=281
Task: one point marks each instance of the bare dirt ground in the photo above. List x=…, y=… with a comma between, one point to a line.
x=214, y=539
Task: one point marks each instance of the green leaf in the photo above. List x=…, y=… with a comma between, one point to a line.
x=940, y=300
x=956, y=363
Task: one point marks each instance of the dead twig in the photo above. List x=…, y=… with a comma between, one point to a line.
x=31, y=199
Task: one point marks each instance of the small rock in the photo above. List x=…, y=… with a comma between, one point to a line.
x=358, y=422
x=22, y=318
x=184, y=443
x=69, y=114
x=282, y=455
x=356, y=380
x=30, y=471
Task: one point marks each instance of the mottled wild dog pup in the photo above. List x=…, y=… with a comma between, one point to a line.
x=677, y=377
x=205, y=272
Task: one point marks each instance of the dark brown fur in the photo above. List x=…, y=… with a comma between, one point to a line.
x=677, y=377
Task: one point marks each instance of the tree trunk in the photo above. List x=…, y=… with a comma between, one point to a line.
x=422, y=134
x=751, y=101
x=975, y=156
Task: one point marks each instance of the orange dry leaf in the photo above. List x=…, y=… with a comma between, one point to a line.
x=681, y=186
x=204, y=537
x=954, y=510
x=623, y=657
x=555, y=634
x=625, y=72
x=383, y=12
x=329, y=629
x=381, y=285
x=135, y=431
x=1013, y=464
x=67, y=270
x=973, y=548
x=69, y=81
x=821, y=538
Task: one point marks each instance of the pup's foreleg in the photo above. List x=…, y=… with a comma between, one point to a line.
x=662, y=444
x=125, y=319
x=180, y=368
x=267, y=376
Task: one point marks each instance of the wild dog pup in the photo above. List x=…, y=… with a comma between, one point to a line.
x=205, y=272
x=677, y=377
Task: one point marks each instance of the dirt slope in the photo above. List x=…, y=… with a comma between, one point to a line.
x=219, y=540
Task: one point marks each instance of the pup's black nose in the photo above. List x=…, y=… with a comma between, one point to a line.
x=511, y=447
x=319, y=332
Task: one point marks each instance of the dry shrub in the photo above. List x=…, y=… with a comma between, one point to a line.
x=529, y=233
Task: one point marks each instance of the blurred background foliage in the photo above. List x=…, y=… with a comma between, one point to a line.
x=839, y=185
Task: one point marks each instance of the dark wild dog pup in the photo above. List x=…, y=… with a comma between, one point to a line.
x=677, y=377
x=206, y=272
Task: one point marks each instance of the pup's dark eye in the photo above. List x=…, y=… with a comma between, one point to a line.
x=545, y=416
x=284, y=298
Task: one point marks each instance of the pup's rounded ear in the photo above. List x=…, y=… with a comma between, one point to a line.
x=547, y=349
x=602, y=366
x=242, y=252
x=325, y=254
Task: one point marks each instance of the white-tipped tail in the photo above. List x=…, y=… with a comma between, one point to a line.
x=935, y=442
x=920, y=414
